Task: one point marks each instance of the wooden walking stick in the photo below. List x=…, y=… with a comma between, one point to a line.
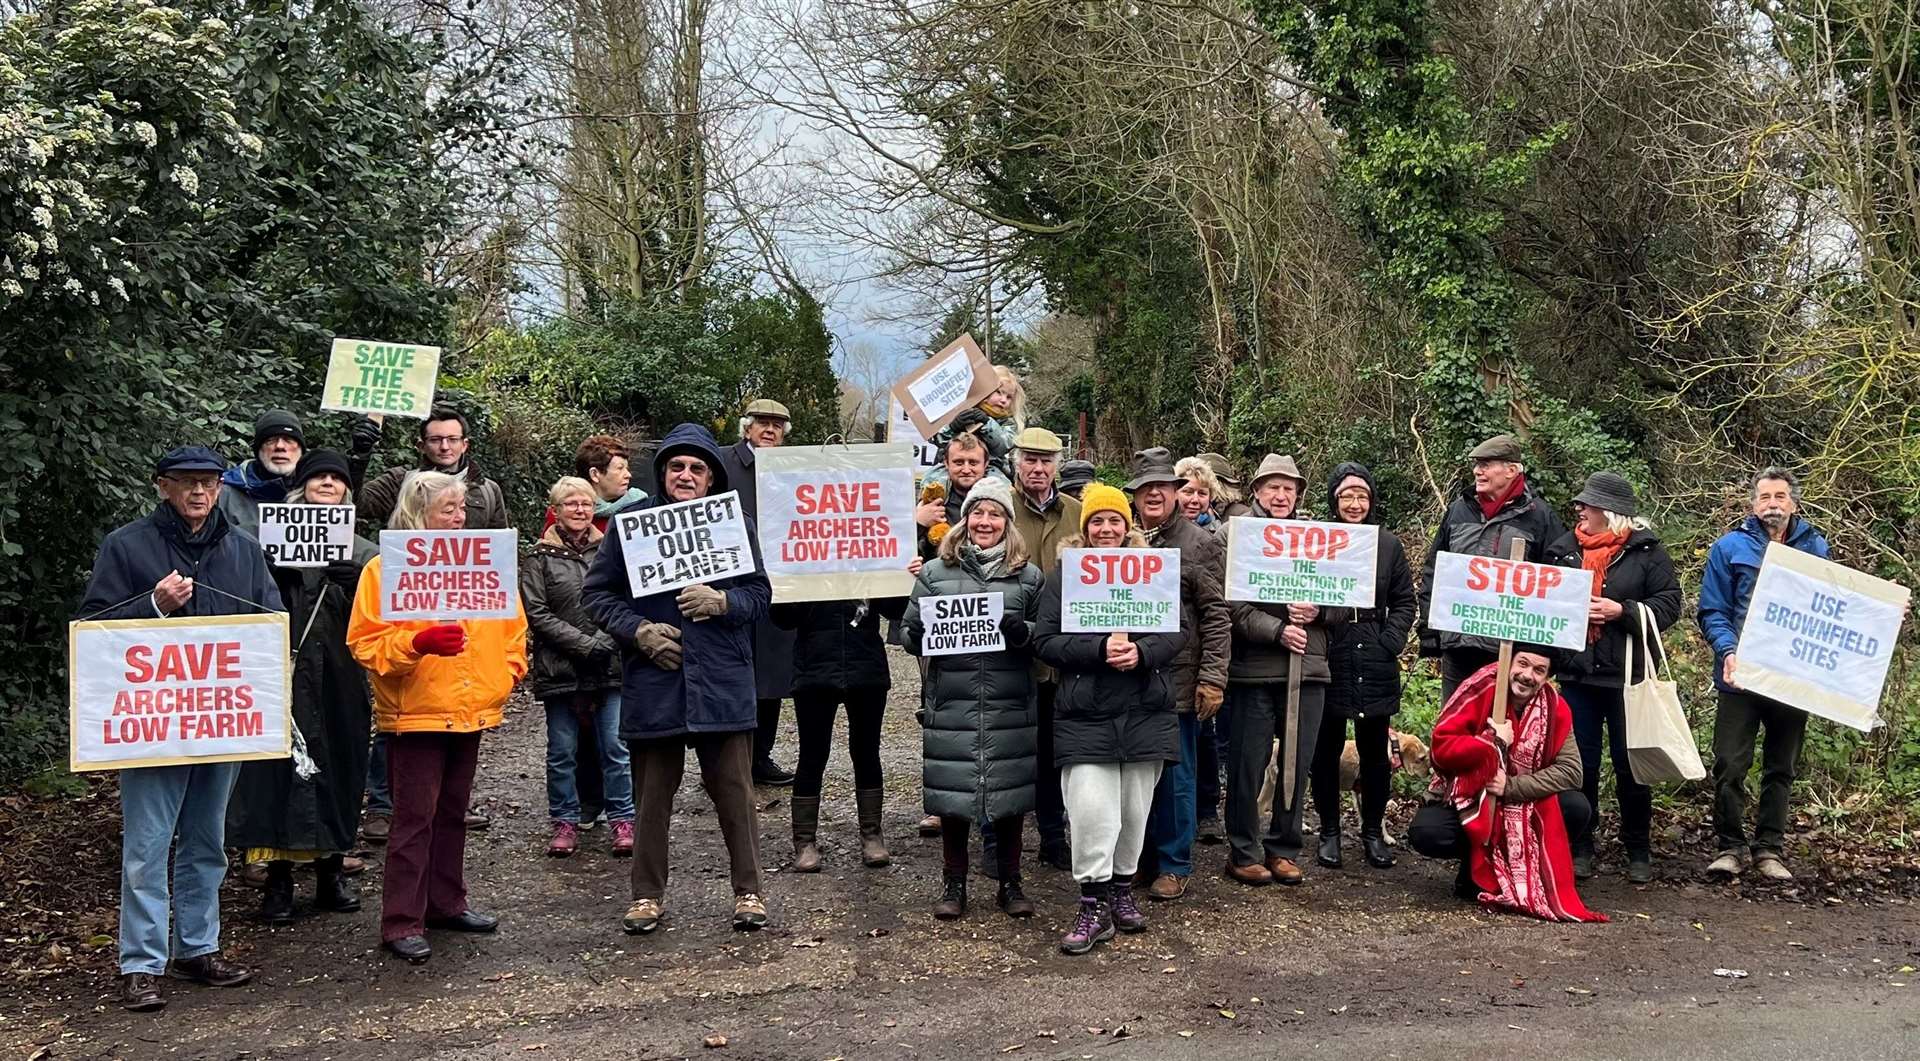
x=1517, y=551
x=1290, y=748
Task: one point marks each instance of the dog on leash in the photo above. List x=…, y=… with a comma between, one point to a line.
x=1406, y=754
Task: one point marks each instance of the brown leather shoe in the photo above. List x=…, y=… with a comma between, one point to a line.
x=140, y=992
x=351, y=866
x=1143, y=878
x=210, y=969
x=1167, y=886
x=1285, y=871
x=1255, y=874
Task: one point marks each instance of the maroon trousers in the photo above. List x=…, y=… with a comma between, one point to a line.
x=431, y=775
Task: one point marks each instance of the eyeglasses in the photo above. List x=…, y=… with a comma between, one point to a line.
x=195, y=485
x=443, y=440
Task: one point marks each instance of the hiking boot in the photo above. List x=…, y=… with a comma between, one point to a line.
x=623, y=839
x=1329, y=850
x=642, y=917
x=806, y=819
x=210, y=969
x=749, y=913
x=332, y=893
x=1209, y=831
x=375, y=828
x=1167, y=887
x=1379, y=855
x=1769, y=865
x=767, y=772
x=1057, y=854
x=1639, y=867
x=1583, y=866
x=930, y=825
x=1727, y=866
x=953, y=900
x=1093, y=924
x=276, y=906
x=1012, y=899
x=566, y=840
x=873, y=848
x=140, y=992
x=1125, y=911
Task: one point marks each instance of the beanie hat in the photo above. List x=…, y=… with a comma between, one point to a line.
x=1099, y=497
x=315, y=461
x=992, y=488
x=277, y=423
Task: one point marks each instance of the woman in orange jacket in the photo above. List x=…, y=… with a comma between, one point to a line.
x=437, y=686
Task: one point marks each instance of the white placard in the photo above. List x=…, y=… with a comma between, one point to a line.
x=1511, y=600
x=944, y=388
x=449, y=574
x=1291, y=561
x=836, y=522
x=1107, y=590
x=364, y=376
x=968, y=622
x=687, y=543
x=1819, y=636
x=306, y=535
x=167, y=692
x=900, y=429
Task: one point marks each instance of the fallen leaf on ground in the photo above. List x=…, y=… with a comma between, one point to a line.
x=814, y=942
x=1186, y=1035
x=1011, y=1049
x=714, y=1041
x=1731, y=974
x=1227, y=1013
x=1578, y=991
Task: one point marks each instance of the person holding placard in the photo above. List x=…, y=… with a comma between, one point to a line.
x=966, y=463
x=443, y=440
x=437, y=687
x=1265, y=638
x=276, y=816
x=998, y=421
x=1363, y=658
x=1726, y=587
x=1210, y=497
x=978, y=710
x=576, y=672
x=1631, y=570
x=687, y=679
x=1498, y=506
x=1115, y=729
x=1045, y=516
x=278, y=443
x=766, y=424
x=182, y=559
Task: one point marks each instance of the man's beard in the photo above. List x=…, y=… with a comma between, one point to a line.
x=279, y=467
x=1775, y=518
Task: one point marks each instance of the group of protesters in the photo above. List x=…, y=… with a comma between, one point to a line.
x=1123, y=747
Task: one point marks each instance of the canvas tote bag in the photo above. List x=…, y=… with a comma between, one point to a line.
x=1659, y=743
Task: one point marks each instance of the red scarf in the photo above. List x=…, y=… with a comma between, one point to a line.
x=1518, y=852
x=1597, y=553
x=1491, y=508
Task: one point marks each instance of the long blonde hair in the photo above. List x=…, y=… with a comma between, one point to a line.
x=417, y=494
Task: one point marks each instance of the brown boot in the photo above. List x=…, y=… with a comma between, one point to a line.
x=806, y=822
x=873, y=849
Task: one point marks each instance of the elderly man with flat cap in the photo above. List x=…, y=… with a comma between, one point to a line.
x=1484, y=519
x=767, y=425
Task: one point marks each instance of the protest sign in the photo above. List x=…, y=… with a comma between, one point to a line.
x=901, y=430
x=369, y=377
x=687, y=543
x=1108, y=590
x=969, y=622
x=1275, y=561
x=836, y=522
x=1511, y=600
x=306, y=535
x=946, y=385
x=1819, y=636
x=449, y=574
x=168, y=692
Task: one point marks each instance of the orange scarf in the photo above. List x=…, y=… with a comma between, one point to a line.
x=1597, y=553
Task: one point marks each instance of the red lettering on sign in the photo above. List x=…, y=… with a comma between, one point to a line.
x=189, y=662
x=449, y=552
x=1126, y=569
x=1512, y=577
x=819, y=498
x=1303, y=543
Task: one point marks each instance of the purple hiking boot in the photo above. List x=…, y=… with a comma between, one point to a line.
x=1126, y=913
x=1092, y=925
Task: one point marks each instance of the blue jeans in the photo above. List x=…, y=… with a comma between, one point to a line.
x=379, y=795
x=563, y=745
x=1172, y=823
x=179, y=811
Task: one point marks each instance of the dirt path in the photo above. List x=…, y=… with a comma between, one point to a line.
x=854, y=966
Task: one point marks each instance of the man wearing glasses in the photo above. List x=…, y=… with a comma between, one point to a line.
x=442, y=442
x=183, y=559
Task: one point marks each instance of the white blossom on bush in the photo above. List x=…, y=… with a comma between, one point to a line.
x=144, y=132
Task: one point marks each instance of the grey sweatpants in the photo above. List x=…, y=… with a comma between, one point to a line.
x=1108, y=805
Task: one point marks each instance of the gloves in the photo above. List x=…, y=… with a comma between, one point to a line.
x=971, y=420
x=661, y=643
x=447, y=639
x=363, y=436
x=345, y=574
x=1207, y=700
x=702, y=602
x=1015, y=630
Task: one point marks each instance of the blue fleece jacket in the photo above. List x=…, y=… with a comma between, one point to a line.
x=1733, y=565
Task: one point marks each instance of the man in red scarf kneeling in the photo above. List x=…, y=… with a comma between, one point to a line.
x=1506, y=795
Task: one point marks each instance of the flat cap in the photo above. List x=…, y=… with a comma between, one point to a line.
x=1498, y=448
x=1038, y=440
x=767, y=409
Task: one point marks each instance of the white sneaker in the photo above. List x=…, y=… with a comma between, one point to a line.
x=1728, y=865
x=1770, y=867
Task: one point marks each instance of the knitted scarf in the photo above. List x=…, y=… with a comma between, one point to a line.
x=992, y=562
x=1597, y=553
x=1490, y=508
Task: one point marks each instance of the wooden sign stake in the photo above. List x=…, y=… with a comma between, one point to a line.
x=1518, y=551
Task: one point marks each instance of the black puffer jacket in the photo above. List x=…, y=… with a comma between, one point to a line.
x=837, y=643
x=1643, y=573
x=1103, y=715
x=1364, y=655
x=1464, y=529
x=571, y=654
x=1261, y=656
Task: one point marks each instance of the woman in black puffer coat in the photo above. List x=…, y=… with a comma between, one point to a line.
x=839, y=657
x=1364, y=658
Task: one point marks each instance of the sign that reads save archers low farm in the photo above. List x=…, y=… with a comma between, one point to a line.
x=1284, y=561
x=687, y=543
x=1511, y=600
x=449, y=574
x=166, y=692
x=306, y=535
x=1819, y=636
x=1108, y=590
x=369, y=377
x=836, y=522
x=968, y=622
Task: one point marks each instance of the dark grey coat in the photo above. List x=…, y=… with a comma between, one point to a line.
x=571, y=654
x=981, y=737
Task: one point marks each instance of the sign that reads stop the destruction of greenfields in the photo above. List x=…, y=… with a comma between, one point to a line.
x=1511, y=600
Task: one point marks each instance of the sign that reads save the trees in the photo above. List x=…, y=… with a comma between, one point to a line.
x=687, y=543
x=1112, y=590
x=449, y=574
x=1511, y=600
x=1283, y=561
x=836, y=522
x=306, y=535
x=1819, y=636
x=364, y=376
